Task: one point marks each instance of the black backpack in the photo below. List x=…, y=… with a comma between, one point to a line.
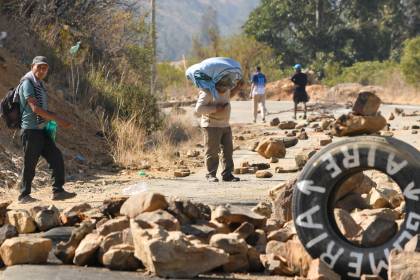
x=10, y=108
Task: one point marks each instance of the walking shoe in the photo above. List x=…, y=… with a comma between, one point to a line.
x=230, y=178
x=26, y=199
x=63, y=195
x=212, y=179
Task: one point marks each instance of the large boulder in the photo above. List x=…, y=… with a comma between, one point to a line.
x=22, y=220
x=6, y=232
x=25, y=250
x=121, y=257
x=281, y=197
x=3, y=211
x=319, y=270
x=230, y=214
x=171, y=254
x=112, y=206
x=269, y=148
x=159, y=218
x=237, y=249
x=188, y=212
x=65, y=251
x=346, y=224
x=352, y=125
x=46, y=217
x=357, y=183
x=143, y=202
x=87, y=249
x=367, y=104
x=113, y=225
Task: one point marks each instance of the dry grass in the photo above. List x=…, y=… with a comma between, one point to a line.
x=131, y=147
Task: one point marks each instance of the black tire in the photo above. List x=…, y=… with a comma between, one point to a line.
x=313, y=210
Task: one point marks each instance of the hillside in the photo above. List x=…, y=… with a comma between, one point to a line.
x=179, y=20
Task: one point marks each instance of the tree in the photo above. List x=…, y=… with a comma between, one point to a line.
x=410, y=61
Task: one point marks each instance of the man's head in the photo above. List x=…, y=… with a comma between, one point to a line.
x=40, y=67
x=258, y=69
x=298, y=67
x=226, y=83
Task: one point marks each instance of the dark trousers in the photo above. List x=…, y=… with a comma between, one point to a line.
x=36, y=143
x=218, y=139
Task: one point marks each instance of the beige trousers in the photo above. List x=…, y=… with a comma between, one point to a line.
x=216, y=140
x=259, y=98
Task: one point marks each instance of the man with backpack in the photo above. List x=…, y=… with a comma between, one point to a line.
x=35, y=138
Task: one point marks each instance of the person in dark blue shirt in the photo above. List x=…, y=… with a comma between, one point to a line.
x=258, y=93
x=299, y=94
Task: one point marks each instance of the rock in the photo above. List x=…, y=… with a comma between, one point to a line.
x=411, y=246
x=352, y=201
x=117, y=224
x=325, y=124
x=254, y=261
x=254, y=146
x=263, y=174
x=377, y=200
x=143, y=202
x=286, y=169
x=269, y=148
x=193, y=153
x=22, y=220
x=180, y=173
x=159, y=218
x=346, y=224
x=263, y=209
x=25, y=250
x=302, y=158
x=352, y=125
x=111, y=207
x=201, y=231
x=78, y=208
x=244, y=230
x=46, y=217
x=71, y=218
x=302, y=136
x=391, y=117
x=260, y=166
x=3, y=211
x=258, y=240
x=414, y=132
x=320, y=271
x=387, y=133
x=58, y=234
x=121, y=257
x=65, y=251
x=85, y=252
x=398, y=111
x=172, y=255
x=6, y=232
x=238, y=215
x=371, y=277
x=237, y=249
x=274, y=265
x=283, y=234
x=367, y=104
x=282, y=201
x=291, y=134
x=292, y=254
x=187, y=212
x=367, y=216
x=404, y=265
x=275, y=122
x=325, y=141
x=378, y=232
x=274, y=160
x=289, y=141
x=287, y=125
x=358, y=183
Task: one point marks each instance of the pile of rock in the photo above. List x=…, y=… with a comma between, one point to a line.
x=364, y=118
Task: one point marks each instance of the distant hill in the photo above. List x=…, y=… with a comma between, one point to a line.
x=179, y=20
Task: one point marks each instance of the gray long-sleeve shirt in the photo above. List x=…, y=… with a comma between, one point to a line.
x=206, y=107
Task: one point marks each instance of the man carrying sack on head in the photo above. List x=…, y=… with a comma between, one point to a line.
x=217, y=78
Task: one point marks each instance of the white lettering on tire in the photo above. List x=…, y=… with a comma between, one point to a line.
x=357, y=265
x=309, y=223
x=307, y=187
x=371, y=157
x=393, y=167
x=376, y=269
x=351, y=160
x=410, y=192
x=332, y=166
x=316, y=240
x=328, y=257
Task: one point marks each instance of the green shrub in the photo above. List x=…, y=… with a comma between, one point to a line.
x=365, y=73
x=410, y=61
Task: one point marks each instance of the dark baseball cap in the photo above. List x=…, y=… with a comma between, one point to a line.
x=39, y=60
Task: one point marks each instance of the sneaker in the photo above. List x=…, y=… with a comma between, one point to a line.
x=63, y=195
x=26, y=199
x=231, y=178
x=212, y=179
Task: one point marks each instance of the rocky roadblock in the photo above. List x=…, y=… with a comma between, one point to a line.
x=159, y=233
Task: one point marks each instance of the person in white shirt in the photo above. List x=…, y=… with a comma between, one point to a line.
x=258, y=93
